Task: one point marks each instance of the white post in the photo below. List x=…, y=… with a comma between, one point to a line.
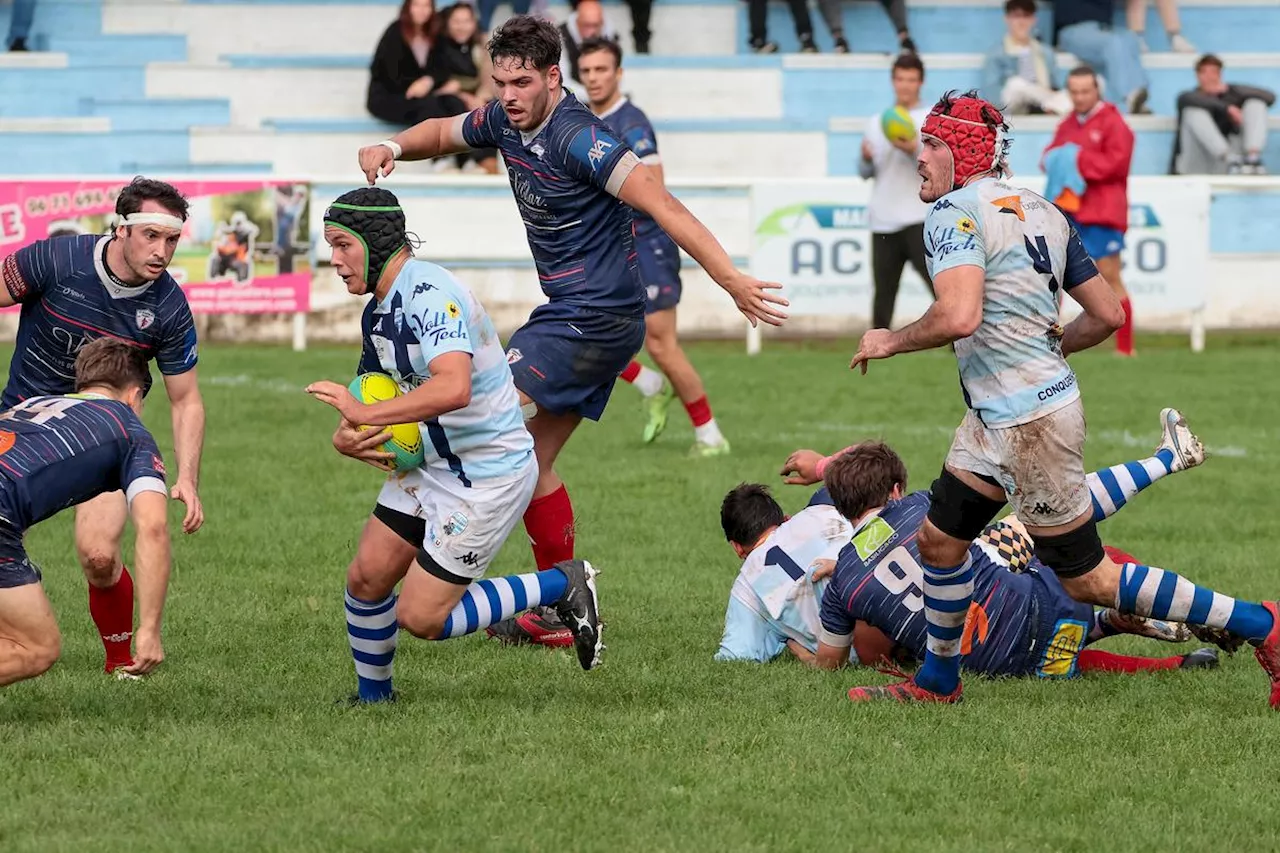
x=299, y=331
x=754, y=338
x=1197, y=330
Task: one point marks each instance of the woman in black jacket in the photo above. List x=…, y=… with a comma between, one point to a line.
x=461, y=67
x=401, y=89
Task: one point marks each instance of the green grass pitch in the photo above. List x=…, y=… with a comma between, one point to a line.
x=236, y=745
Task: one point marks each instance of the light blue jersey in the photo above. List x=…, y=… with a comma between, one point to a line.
x=426, y=314
x=774, y=598
x=1011, y=368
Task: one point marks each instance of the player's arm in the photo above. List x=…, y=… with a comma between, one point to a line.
x=186, y=408
x=836, y=636
x=955, y=314
x=151, y=563
x=434, y=137
x=1102, y=314
x=26, y=273
x=801, y=653
x=871, y=644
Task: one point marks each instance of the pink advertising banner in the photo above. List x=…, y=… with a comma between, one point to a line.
x=244, y=248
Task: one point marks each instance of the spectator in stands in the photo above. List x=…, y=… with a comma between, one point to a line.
x=1137, y=16
x=460, y=66
x=641, y=14
x=758, y=19
x=1222, y=127
x=896, y=213
x=832, y=13
x=486, y=8
x=1087, y=175
x=1083, y=28
x=1020, y=71
x=401, y=91
x=586, y=22
x=24, y=11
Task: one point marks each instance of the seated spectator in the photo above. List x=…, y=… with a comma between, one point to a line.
x=832, y=13
x=401, y=91
x=758, y=20
x=641, y=14
x=587, y=22
x=1222, y=127
x=24, y=11
x=461, y=66
x=1083, y=28
x=1019, y=72
x=1137, y=16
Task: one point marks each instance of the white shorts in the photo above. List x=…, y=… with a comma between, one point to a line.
x=465, y=527
x=1040, y=464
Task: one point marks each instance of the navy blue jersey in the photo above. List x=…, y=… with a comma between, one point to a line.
x=68, y=299
x=878, y=580
x=563, y=176
x=631, y=124
x=56, y=452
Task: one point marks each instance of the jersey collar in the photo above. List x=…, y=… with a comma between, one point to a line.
x=613, y=109
x=113, y=287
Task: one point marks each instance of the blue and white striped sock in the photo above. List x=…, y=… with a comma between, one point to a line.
x=1149, y=591
x=947, y=593
x=372, y=632
x=1114, y=487
x=494, y=599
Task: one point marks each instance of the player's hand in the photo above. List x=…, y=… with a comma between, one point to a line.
x=421, y=87
x=801, y=468
x=340, y=398
x=376, y=160
x=185, y=491
x=147, y=651
x=754, y=300
x=876, y=343
x=823, y=569
x=910, y=147
x=868, y=153
x=364, y=444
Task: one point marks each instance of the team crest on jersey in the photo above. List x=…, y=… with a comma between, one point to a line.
x=145, y=318
x=452, y=309
x=456, y=524
x=537, y=150
x=965, y=225
x=514, y=355
x=871, y=538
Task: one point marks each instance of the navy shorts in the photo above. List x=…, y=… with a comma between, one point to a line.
x=658, y=260
x=567, y=357
x=16, y=569
x=1063, y=628
x=1100, y=241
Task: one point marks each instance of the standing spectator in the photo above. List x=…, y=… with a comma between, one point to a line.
x=1218, y=122
x=1137, y=17
x=587, y=22
x=1083, y=28
x=1094, y=147
x=1020, y=71
x=758, y=18
x=24, y=12
x=896, y=212
x=641, y=14
x=832, y=13
x=401, y=91
x=461, y=66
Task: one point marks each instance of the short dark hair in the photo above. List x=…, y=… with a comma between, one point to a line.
x=863, y=478
x=595, y=43
x=533, y=41
x=908, y=62
x=1084, y=71
x=747, y=512
x=142, y=189
x=1026, y=7
x=1208, y=59
x=112, y=363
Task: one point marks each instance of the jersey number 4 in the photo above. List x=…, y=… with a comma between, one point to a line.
x=1039, y=252
x=41, y=410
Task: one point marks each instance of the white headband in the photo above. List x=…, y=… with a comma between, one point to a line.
x=166, y=219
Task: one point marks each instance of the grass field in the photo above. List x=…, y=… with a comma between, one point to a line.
x=236, y=743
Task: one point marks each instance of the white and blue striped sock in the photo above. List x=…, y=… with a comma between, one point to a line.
x=372, y=632
x=1114, y=487
x=1161, y=594
x=947, y=594
x=493, y=599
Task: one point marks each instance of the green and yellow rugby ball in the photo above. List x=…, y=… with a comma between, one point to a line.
x=406, y=439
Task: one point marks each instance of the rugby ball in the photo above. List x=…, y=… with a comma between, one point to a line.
x=897, y=125
x=406, y=439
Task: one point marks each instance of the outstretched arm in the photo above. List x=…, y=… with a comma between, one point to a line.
x=955, y=314
x=435, y=137
x=151, y=568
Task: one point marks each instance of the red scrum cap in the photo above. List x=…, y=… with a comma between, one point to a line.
x=973, y=130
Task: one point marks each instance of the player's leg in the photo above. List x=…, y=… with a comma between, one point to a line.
x=1096, y=660
x=913, y=244
x=29, y=639
x=657, y=394
x=1109, y=266
x=549, y=517
x=99, y=527
x=888, y=259
x=664, y=346
x=1179, y=449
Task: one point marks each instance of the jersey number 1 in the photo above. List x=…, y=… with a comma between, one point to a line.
x=780, y=558
x=1039, y=252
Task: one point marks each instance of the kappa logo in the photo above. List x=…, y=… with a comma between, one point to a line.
x=145, y=318
x=1042, y=508
x=598, y=149
x=873, y=537
x=469, y=559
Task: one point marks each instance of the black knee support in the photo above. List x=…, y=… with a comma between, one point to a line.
x=1073, y=554
x=959, y=510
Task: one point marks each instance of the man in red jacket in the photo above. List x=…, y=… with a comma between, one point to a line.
x=1101, y=212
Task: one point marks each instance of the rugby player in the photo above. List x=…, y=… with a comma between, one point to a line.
x=568, y=173
x=60, y=450
x=658, y=260
x=439, y=526
x=77, y=288
x=1000, y=258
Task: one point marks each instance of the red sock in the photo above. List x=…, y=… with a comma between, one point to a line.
x=1095, y=660
x=549, y=523
x=112, y=612
x=1124, y=336
x=630, y=372
x=699, y=411
x=1120, y=557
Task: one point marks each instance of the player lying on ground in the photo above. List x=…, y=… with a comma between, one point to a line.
x=774, y=602
x=77, y=288
x=58, y=451
x=568, y=172
x=438, y=527
x=658, y=260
